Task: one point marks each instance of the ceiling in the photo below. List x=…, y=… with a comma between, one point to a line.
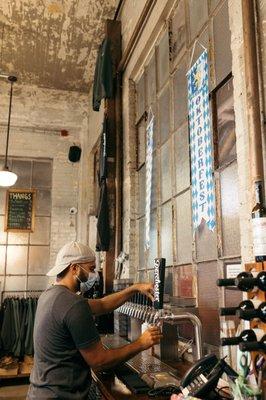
x=52, y=43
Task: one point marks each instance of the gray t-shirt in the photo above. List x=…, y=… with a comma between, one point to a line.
x=63, y=324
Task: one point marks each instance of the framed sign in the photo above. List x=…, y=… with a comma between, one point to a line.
x=20, y=210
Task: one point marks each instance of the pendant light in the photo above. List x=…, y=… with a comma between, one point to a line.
x=7, y=177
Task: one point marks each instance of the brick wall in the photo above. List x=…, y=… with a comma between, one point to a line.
x=38, y=116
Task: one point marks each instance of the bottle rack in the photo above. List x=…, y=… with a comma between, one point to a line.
x=260, y=295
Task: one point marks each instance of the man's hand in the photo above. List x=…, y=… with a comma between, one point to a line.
x=99, y=358
x=150, y=337
x=145, y=288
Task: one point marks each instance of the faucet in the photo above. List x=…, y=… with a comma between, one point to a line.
x=195, y=322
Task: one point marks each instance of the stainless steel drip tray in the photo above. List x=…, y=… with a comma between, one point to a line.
x=143, y=362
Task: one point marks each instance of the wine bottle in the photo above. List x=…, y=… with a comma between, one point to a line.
x=232, y=281
x=259, y=312
x=248, y=335
x=254, y=346
x=251, y=282
x=244, y=305
x=258, y=214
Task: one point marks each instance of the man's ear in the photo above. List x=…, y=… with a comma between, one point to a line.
x=74, y=267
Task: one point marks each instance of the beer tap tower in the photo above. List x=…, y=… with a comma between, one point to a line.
x=140, y=309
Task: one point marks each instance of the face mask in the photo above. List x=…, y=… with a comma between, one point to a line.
x=93, y=277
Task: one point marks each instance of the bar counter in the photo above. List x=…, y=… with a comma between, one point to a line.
x=112, y=388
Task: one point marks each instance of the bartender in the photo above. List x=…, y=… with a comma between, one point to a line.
x=66, y=342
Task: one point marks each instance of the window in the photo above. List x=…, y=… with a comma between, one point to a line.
x=24, y=256
x=226, y=170
x=189, y=258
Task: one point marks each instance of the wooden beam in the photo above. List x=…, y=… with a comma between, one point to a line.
x=114, y=182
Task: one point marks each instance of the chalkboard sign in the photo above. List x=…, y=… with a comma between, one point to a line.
x=20, y=210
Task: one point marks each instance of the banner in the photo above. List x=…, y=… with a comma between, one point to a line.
x=149, y=149
x=203, y=191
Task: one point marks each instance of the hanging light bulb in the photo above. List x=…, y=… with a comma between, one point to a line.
x=8, y=178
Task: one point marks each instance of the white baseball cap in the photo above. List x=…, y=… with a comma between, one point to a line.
x=70, y=253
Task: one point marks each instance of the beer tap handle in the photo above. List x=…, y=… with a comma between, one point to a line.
x=142, y=306
x=139, y=305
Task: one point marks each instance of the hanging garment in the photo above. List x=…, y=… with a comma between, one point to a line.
x=17, y=327
x=103, y=227
x=8, y=335
x=24, y=311
x=103, y=76
x=17, y=317
x=29, y=327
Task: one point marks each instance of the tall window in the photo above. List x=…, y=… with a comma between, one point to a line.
x=162, y=85
x=24, y=256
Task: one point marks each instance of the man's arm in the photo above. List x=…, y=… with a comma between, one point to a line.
x=98, y=358
x=113, y=301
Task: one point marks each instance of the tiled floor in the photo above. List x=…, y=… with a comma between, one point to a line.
x=17, y=392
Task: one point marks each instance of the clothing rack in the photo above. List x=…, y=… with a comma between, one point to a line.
x=13, y=292
x=18, y=313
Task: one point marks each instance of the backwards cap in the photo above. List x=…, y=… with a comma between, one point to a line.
x=70, y=253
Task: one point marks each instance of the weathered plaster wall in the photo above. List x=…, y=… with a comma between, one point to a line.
x=53, y=43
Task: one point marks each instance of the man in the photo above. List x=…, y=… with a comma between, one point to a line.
x=66, y=341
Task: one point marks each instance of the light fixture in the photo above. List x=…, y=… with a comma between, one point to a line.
x=8, y=178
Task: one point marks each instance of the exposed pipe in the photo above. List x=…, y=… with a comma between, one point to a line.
x=11, y=79
x=118, y=166
x=252, y=90
x=117, y=11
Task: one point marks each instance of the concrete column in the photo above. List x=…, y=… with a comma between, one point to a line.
x=242, y=136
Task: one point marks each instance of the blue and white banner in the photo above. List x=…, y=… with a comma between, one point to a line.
x=203, y=191
x=149, y=149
